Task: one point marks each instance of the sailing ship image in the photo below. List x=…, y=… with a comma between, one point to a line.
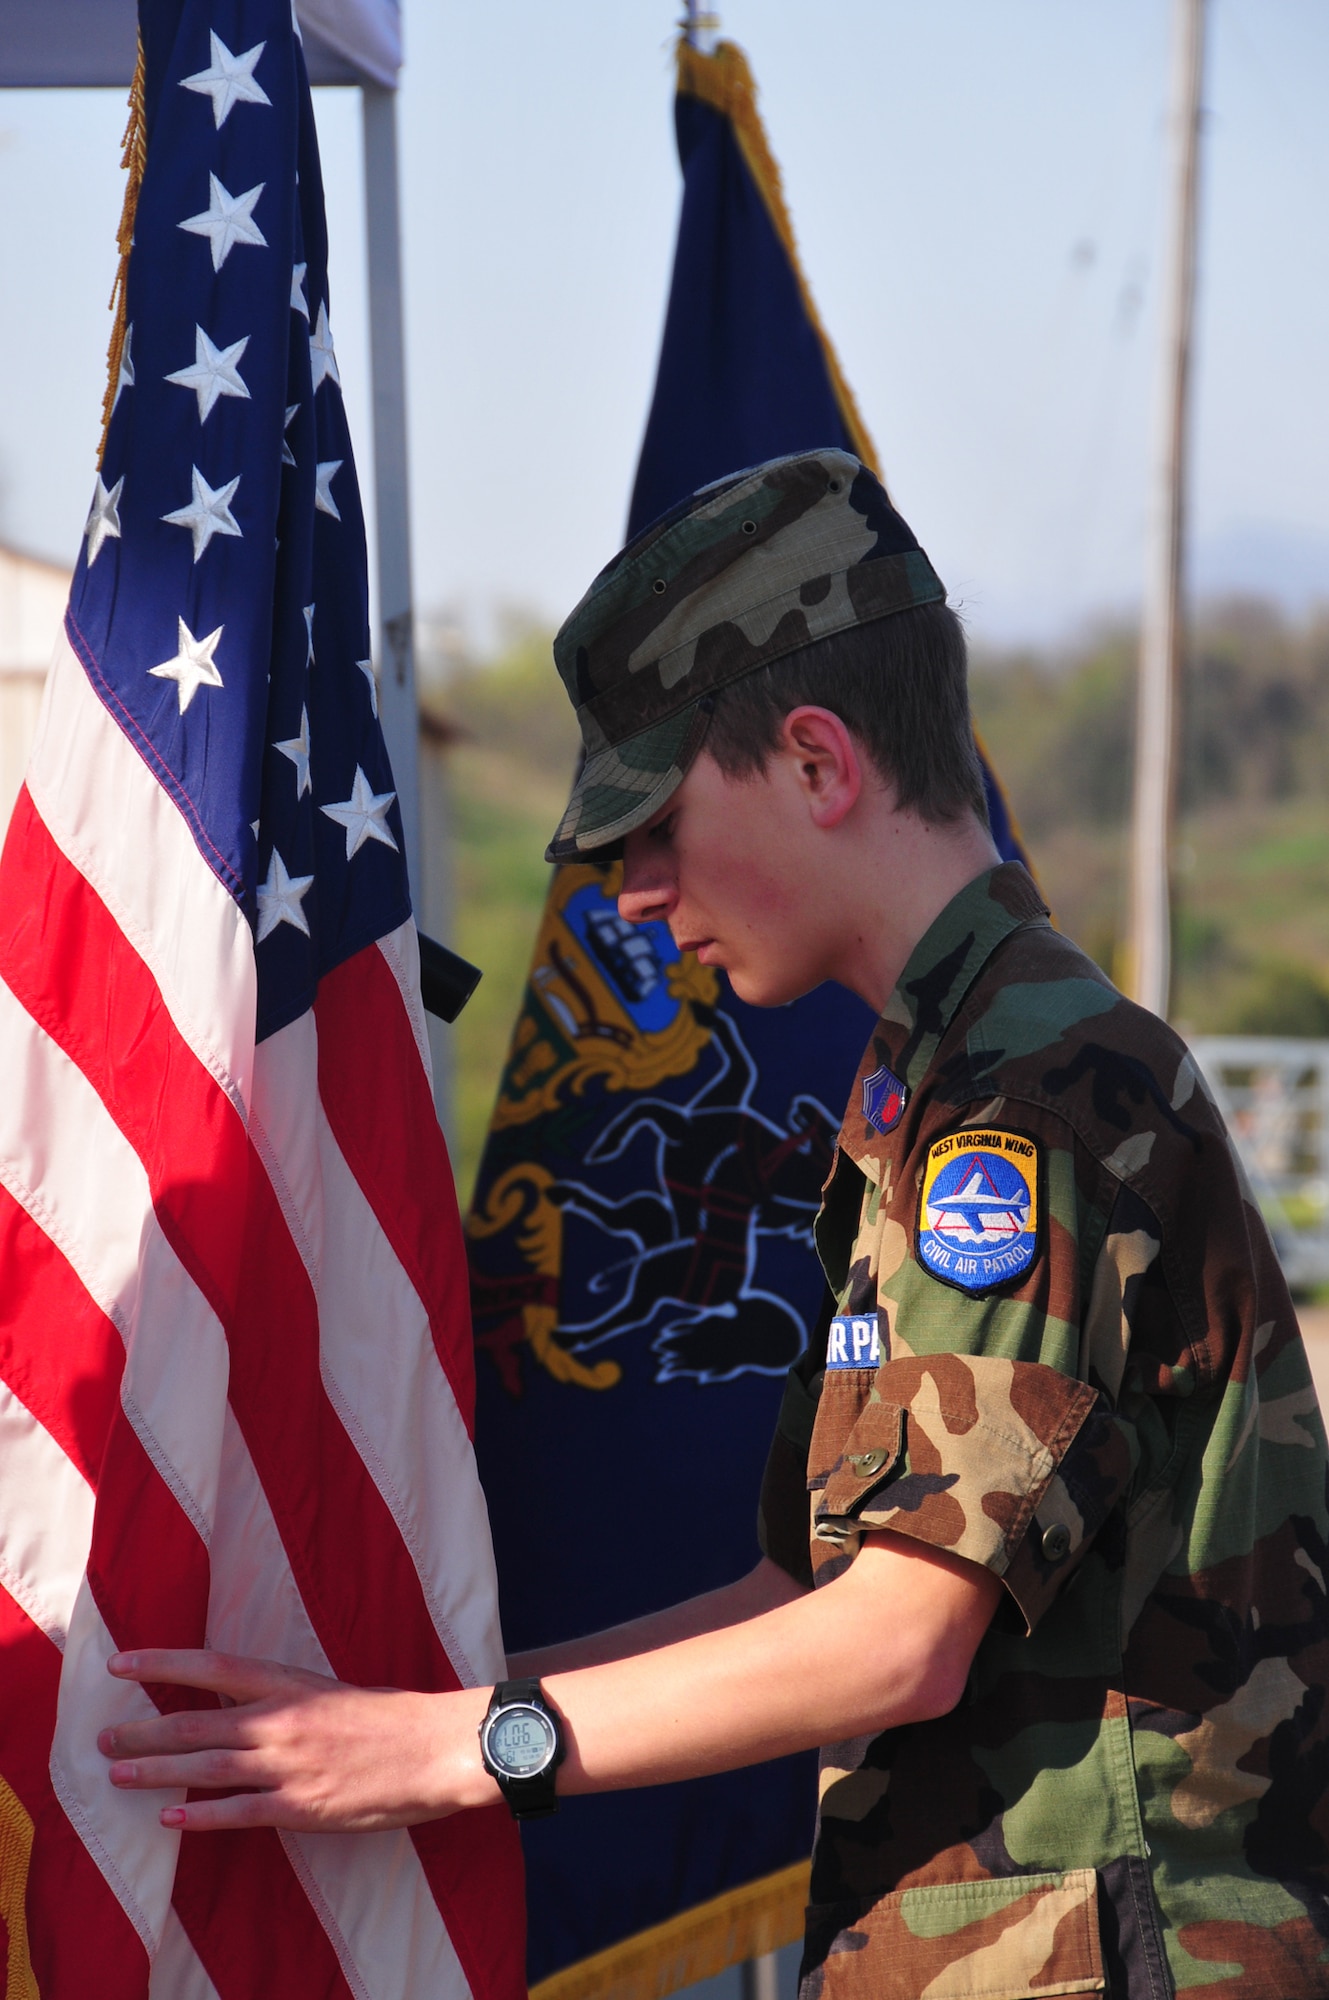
x=978, y=1224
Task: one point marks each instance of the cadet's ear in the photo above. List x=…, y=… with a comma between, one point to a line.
x=825, y=760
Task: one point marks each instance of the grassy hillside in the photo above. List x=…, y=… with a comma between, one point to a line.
x=1252, y=862
x=510, y=771
x=1251, y=866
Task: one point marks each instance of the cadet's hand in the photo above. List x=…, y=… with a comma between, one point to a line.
x=299, y=1750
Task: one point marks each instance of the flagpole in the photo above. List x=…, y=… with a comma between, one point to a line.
x=700, y=27
x=1161, y=632
x=395, y=636
x=759, y=1976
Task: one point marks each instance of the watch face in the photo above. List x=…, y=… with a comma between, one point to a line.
x=520, y=1741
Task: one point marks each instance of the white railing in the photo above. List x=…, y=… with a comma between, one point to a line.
x=1273, y=1093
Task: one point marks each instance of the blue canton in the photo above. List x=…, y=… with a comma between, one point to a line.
x=220, y=604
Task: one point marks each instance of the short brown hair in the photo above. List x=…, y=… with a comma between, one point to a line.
x=899, y=684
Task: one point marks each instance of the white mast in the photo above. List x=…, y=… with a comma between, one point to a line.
x=1161, y=624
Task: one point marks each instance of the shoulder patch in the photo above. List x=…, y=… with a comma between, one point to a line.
x=978, y=1211
x=883, y=1100
x=853, y=1341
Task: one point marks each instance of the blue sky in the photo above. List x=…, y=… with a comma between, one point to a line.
x=977, y=189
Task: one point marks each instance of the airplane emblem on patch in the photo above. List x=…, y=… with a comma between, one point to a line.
x=883, y=1100
x=978, y=1210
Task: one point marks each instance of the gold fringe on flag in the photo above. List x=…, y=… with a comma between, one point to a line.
x=134, y=153
x=725, y=82
x=699, y=1943
x=15, y=1857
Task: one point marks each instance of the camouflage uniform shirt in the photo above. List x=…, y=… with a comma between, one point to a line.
x=1085, y=1374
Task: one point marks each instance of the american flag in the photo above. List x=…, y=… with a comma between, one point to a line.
x=235, y=1369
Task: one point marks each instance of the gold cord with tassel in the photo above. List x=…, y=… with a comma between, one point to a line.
x=132, y=158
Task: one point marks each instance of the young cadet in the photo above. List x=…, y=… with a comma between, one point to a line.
x=1057, y=1446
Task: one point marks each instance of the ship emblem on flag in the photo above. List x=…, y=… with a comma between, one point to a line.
x=978, y=1217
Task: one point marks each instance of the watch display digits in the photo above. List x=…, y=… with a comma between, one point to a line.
x=522, y=1746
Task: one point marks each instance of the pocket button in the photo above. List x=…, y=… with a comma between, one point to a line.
x=865, y=1463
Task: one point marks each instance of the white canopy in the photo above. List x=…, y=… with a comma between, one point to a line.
x=63, y=42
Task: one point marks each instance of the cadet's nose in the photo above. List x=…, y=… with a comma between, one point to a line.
x=649, y=891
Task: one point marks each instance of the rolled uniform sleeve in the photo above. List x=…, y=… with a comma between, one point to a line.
x=975, y=1433
x=782, y=1512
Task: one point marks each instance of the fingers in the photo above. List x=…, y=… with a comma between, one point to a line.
x=199, y=1770
x=222, y=1815
x=226, y=1674
x=187, y=1729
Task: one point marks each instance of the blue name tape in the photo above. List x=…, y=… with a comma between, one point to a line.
x=852, y=1341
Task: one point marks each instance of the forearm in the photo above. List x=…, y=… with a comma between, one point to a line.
x=763, y=1589
x=889, y=1642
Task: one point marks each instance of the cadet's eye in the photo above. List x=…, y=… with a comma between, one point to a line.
x=663, y=829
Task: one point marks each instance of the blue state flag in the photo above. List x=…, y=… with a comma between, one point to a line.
x=643, y=1272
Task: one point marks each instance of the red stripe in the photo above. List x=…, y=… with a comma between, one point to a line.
x=250, y=1921
x=474, y=1865
x=82, y=1942
x=116, y=1028
x=351, y=1565
x=376, y=1096
x=59, y=1353
x=147, y=1567
x=370, y=1613
x=149, y=1574
x=473, y=1861
x=148, y=1571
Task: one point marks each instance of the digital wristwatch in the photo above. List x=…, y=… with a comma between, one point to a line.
x=521, y=1747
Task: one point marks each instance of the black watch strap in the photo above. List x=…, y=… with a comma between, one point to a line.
x=536, y=1797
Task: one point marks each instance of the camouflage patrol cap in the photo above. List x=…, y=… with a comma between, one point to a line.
x=737, y=575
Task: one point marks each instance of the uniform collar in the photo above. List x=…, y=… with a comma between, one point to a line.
x=940, y=971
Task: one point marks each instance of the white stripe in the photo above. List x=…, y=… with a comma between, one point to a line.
x=45, y=1520
x=120, y=1830
x=379, y=1363
x=68, y=1164
x=108, y=815
x=370, y=1891
x=46, y=1509
x=395, y=1941
x=383, y=1374
x=66, y=1161
x=96, y=1208
x=177, y=1972
x=401, y=949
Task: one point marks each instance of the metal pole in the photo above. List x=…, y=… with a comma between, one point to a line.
x=700, y=27
x=397, y=700
x=396, y=633
x=761, y=1977
x=1150, y=944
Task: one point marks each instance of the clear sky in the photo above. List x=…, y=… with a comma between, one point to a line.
x=977, y=188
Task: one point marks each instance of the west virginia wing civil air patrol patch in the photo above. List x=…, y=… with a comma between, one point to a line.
x=978, y=1212
x=883, y=1100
